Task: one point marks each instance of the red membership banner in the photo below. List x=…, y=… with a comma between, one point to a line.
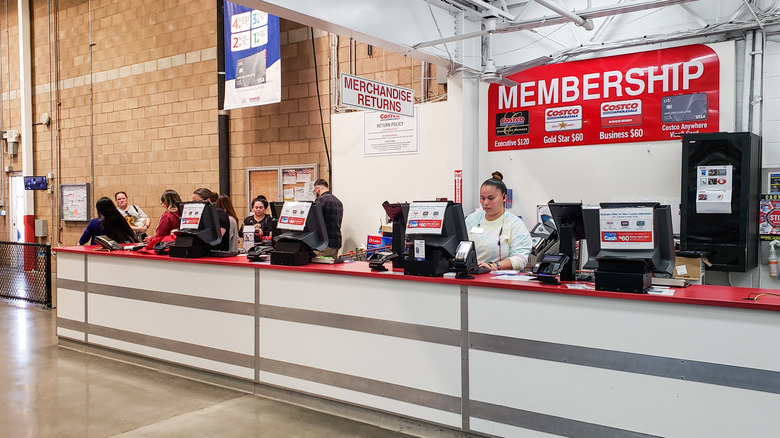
x=647, y=96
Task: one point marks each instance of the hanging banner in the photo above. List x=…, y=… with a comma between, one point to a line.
x=372, y=95
x=648, y=96
x=253, y=67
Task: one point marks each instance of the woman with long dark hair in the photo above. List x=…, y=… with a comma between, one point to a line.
x=109, y=222
x=224, y=202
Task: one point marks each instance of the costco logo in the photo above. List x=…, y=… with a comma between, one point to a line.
x=621, y=113
x=564, y=118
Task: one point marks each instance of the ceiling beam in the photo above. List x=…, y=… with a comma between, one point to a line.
x=586, y=14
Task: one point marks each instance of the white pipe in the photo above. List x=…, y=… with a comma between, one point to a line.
x=747, y=66
x=25, y=86
x=579, y=21
x=334, y=73
x=758, y=89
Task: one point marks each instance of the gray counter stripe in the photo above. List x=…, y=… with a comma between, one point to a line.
x=215, y=354
x=547, y=423
x=368, y=325
x=71, y=324
x=406, y=394
x=77, y=285
x=214, y=304
x=659, y=366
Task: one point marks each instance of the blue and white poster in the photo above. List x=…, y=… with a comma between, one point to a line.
x=253, y=67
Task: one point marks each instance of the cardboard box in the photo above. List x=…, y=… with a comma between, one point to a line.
x=689, y=268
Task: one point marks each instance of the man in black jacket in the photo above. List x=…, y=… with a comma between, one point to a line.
x=333, y=212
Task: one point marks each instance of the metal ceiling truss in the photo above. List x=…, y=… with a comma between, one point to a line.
x=514, y=25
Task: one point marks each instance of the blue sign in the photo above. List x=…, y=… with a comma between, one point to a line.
x=253, y=67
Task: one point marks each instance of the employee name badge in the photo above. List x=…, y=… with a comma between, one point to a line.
x=293, y=215
x=425, y=218
x=476, y=230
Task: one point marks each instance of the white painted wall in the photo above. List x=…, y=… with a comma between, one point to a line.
x=364, y=183
x=771, y=134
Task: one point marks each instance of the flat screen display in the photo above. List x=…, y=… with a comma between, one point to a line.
x=293, y=215
x=627, y=228
x=425, y=218
x=35, y=183
x=190, y=216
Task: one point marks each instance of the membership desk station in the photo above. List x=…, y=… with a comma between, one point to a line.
x=491, y=356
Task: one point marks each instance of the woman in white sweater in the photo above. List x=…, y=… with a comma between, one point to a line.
x=501, y=239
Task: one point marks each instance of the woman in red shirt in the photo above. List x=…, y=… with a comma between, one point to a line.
x=169, y=221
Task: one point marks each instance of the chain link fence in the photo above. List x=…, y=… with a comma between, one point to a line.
x=25, y=272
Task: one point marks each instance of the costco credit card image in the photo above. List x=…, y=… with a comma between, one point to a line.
x=684, y=108
x=250, y=70
x=514, y=123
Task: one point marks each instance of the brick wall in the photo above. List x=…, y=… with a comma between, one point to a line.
x=150, y=121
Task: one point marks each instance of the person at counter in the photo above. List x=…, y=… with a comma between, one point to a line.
x=259, y=219
x=204, y=194
x=333, y=212
x=109, y=222
x=501, y=239
x=171, y=217
x=135, y=216
x=224, y=203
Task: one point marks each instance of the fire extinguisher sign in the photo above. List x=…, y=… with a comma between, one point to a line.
x=459, y=186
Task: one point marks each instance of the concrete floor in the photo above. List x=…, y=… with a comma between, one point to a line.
x=51, y=391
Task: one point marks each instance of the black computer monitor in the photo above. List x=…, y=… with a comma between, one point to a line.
x=397, y=213
x=590, y=217
x=295, y=246
x=661, y=256
x=198, y=230
x=439, y=248
x=276, y=208
x=568, y=218
x=615, y=263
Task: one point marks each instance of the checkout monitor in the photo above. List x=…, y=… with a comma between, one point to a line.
x=434, y=230
x=302, y=222
x=621, y=231
x=199, y=219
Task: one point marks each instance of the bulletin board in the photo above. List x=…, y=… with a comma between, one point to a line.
x=74, y=202
x=281, y=183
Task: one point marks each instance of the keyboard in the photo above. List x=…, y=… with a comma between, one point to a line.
x=479, y=270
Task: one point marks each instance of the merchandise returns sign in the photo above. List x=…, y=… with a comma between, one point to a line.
x=648, y=96
x=372, y=95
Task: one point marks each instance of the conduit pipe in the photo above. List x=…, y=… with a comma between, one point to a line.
x=25, y=85
x=579, y=21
